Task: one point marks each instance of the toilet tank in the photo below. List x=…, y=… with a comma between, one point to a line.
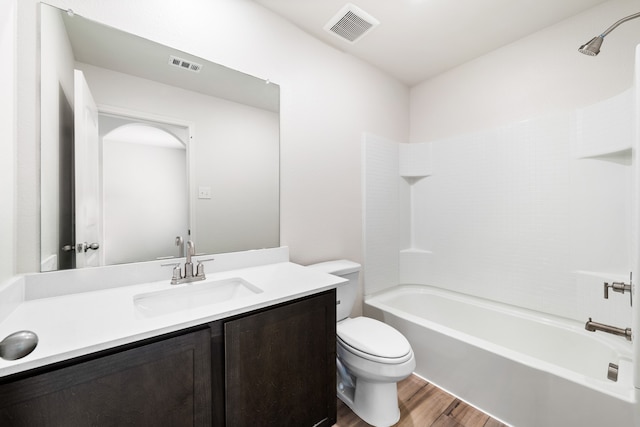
x=345, y=294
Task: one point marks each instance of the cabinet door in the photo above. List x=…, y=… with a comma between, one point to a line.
x=280, y=365
x=165, y=383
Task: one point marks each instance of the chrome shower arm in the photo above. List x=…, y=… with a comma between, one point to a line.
x=617, y=23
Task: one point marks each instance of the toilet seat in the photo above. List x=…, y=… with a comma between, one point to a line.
x=373, y=340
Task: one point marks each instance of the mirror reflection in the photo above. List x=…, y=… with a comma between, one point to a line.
x=126, y=149
x=142, y=144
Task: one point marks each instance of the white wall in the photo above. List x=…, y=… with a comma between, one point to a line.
x=144, y=200
x=8, y=130
x=27, y=236
x=537, y=75
x=241, y=166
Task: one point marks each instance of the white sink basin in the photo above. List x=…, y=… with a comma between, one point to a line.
x=193, y=295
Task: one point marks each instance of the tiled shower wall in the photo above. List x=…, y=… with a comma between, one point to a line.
x=536, y=213
x=381, y=213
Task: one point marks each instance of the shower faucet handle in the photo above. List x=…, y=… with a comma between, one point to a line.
x=619, y=287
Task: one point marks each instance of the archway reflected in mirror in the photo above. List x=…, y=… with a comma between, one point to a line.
x=144, y=175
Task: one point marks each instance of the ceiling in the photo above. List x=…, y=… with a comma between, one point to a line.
x=418, y=39
x=103, y=46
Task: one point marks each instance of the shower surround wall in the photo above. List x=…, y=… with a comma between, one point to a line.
x=535, y=213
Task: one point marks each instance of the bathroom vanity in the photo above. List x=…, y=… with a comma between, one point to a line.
x=266, y=358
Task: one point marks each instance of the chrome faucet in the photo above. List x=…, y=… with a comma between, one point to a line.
x=188, y=265
x=188, y=276
x=592, y=326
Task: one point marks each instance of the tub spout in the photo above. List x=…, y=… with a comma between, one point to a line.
x=592, y=326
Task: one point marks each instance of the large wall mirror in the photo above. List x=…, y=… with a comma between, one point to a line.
x=144, y=147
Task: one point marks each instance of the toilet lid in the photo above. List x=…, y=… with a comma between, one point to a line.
x=373, y=337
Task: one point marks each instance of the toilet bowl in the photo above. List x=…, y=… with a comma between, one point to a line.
x=371, y=356
x=375, y=363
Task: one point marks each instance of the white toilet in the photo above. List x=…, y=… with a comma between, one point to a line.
x=372, y=356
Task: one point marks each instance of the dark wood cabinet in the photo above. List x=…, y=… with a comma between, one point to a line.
x=272, y=367
x=280, y=365
x=164, y=383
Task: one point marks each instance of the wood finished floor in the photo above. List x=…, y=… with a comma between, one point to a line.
x=424, y=405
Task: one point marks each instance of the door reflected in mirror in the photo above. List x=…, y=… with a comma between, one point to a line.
x=119, y=199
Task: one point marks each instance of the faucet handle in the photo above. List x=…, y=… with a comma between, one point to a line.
x=200, y=266
x=177, y=271
x=619, y=287
x=170, y=264
x=200, y=269
x=177, y=274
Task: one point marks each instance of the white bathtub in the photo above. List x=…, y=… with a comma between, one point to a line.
x=524, y=368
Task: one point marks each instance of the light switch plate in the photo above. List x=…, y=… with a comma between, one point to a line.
x=204, y=192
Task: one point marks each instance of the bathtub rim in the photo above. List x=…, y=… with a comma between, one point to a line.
x=624, y=389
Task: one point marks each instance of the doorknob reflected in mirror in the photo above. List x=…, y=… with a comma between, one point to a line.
x=84, y=247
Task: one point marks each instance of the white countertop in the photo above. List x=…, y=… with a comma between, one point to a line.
x=81, y=323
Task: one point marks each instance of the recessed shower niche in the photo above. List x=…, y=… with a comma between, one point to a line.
x=415, y=168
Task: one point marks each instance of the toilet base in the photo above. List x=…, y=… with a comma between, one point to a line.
x=374, y=402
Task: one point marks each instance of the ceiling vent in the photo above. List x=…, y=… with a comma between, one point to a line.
x=351, y=23
x=184, y=64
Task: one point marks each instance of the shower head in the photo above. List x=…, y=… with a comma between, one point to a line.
x=592, y=47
